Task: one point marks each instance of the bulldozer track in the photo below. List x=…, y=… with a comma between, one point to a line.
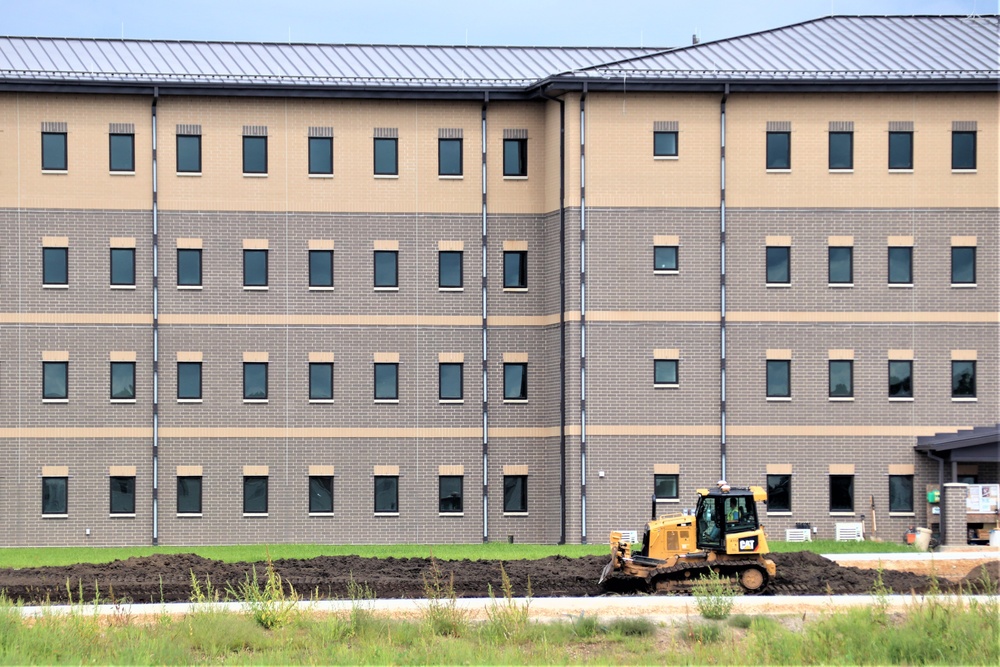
x=690, y=571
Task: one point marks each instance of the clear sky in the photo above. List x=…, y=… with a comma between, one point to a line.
x=493, y=22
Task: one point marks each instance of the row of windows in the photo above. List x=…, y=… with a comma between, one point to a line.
x=779, y=493
x=840, y=265
x=840, y=152
x=841, y=379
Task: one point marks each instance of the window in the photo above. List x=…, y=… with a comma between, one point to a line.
x=515, y=269
x=842, y=493
x=515, y=493
x=963, y=150
x=189, y=495
x=779, y=493
x=255, y=495
x=963, y=379
x=515, y=382
x=450, y=269
x=254, y=155
x=54, y=495
x=122, y=380
x=123, y=495
x=450, y=381
x=841, y=265
x=53, y=151
x=189, y=153
x=55, y=266
x=320, y=382
x=779, y=150
x=779, y=265
x=321, y=494
x=254, y=381
x=901, y=379
x=515, y=157
x=900, y=265
x=55, y=380
x=123, y=266
x=664, y=144
x=450, y=494
x=901, y=493
x=320, y=268
x=665, y=487
x=779, y=380
x=386, y=268
x=255, y=268
x=386, y=382
x=665, y=258
x=122, y=152
x=386, y=159
x=386, y=495
x=841, y=379
x=963, y=266
x=449, y=157
x=320, y=155
x=841, y=150
x=189, y=380
x=665, y=372
x=900, y=150
x=188, y=267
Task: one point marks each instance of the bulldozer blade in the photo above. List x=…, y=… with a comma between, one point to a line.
x=606, y=572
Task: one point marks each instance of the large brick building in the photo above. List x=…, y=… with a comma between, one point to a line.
x=320, y=293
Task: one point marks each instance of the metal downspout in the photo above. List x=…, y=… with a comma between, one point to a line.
x=486, y=420
x=722, y=282
x=156, y=341
x=583, y=315
x=941, y=503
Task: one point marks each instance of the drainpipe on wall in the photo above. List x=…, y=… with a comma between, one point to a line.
x=941, y=502
x=722, y=282
x=485, y=370
x=583, y=315
x=156, y=341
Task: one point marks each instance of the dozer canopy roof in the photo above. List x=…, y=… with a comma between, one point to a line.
x=757, y=492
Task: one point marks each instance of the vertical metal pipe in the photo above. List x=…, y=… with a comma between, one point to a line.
x=722, y=282
x=156, y=338
x=485, y=370
x=583, y=315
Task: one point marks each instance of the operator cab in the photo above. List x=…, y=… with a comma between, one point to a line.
x=724, y=511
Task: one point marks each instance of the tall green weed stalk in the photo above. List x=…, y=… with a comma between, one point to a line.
x=714, y=595
x=442, y=615
x=506, y=618
x=269, y=605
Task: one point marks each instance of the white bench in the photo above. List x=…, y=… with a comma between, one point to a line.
x=798, y=535
x=850, y=532
x=630, y=536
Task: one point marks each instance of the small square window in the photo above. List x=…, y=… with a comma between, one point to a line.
x=122, y=380
x=779, y=260
x=900, y=265
x=386, y=495
x=841, y=265
x=189, y=380
x=515, y=493
x=55, y=266
x=386, y=268
x=665, y=487
x=779, y=493
x=841, y=150
x=841, y=379
x=900, y=493
x=665, y=372
x=450, y=268
x=321, y=494
x=254, y=155
x=779, y=378
x=255, y=268
x=320, y=268
x=841, y=493
x=189, y=267
x=901, y=379
x=450, y=381
x=665, y=258
x=189, y=153
x=55, y=380
x=189, y=495
x=779, y=150
x=963, y=150
x=255, y=495
x=515, y=269
x=122, y=149
x=450, y=494
x=449, y=157
x=123, y=266
x=123, y=495
x=386, y=382
x=320, y=155
x=254, y=381
x=963, y=266
x=53, y=151
x=963, y=379
x=900, y=150
x=54, y=495
x=515, y=382
x=386, y=158
x=321, y=382
x=664, y=144
x=515, y=157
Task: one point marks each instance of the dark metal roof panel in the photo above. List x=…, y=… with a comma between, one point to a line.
x=963, y=438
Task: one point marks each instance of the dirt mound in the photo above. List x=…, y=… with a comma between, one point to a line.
x=983, y=578
x=812, y=574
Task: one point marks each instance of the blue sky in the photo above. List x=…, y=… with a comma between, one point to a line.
x=496, y=22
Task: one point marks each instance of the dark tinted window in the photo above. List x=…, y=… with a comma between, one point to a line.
x=901, y=265
x=55, y=266
x=900, y=493
x=664, y=371
x=386, y=161
x=901, y=379
x=900, y=150
x=963, y=379
x=254, y=155
x=320, y=155
x=123, y=266
x=779, y=493
x=386, y=268
x=664, y=144
x=841, y=150
x=321, y=494
x=450, y=376
x=779, y=150
x=841, y=493
x=386, y=494
x=515, y=269
x=123, y=380
x=841, y=269
x=449, y=157
x=515, y=157
x=515, y=382
x=515, y=493
x=123, y=495
x=665, y=486
x=189, y=495
x=321, y=382
x=188, y=379
x=779, y=265
x=189, y=153
x=54, y=151
x=665, y=258
x=122, y=148
x=450, y=268
x=55, y=379
x=449, y=494
x=841, y=379
x=255, y=495
x=254, y=381
x=963, y=266
x=386, y=382
x=963, y=150
x=54, y=495
x=189, y=266
x=320, y=268
x=779, y=380
x=255, y=268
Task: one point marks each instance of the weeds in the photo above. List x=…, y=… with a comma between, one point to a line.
x=442, y=614
x=509, y=618
x=741, y=621
x=362, y=618
x=270, y=606
x=880, y=592
x=702, y=633
x=586, y=627
x=714, y=595
x=632, y=627
x=200, y=595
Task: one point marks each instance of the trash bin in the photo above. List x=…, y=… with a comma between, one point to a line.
x=995, y=538
x=923, y=540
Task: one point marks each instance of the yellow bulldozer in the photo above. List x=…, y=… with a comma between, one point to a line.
x=723, y=535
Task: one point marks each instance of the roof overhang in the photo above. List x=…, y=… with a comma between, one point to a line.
x=977, y=445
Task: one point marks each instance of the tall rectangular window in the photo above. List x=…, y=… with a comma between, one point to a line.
x=320, y=268
x=900, y=265
x=55, y=495
x=779, y=378
x=321, y=382
x=255, y=495
x=841, y=150
x=320, y=155
x=841, y=493
x=901, y=379
x=779, y=150
x=123, y=495
x=254, y=381
x=386, y=268
x=386, y=495
x=55, y=266
x=963, y=266
x=900, y=150
x=189, y=267
x=841, y=265
x=450, y=269
x=900, y=493
x=779, y=260
x=122, y=152
x=841, y=379
x=963, y=150
x=449, y=157
x=450, y=381
x=54, y=151
x=255, y=268
x=189, y=495
x=515, y=494
x=515, y=157
x=386, y=382
x=386, y=158
x=779, y=493
x=189, y=153
x=515, y=269
x=254, y=155
x=664, y=144
x=122, y=380
x=665, y=258
x=189, y=380
x=321, y=494
x=665, y=372
x=450, y=494
x=123, y=266
x=55, y=380
x=963, y=379
x=515, y=382
x=665, y=487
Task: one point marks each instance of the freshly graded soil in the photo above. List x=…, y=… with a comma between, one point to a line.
x=167, y=578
